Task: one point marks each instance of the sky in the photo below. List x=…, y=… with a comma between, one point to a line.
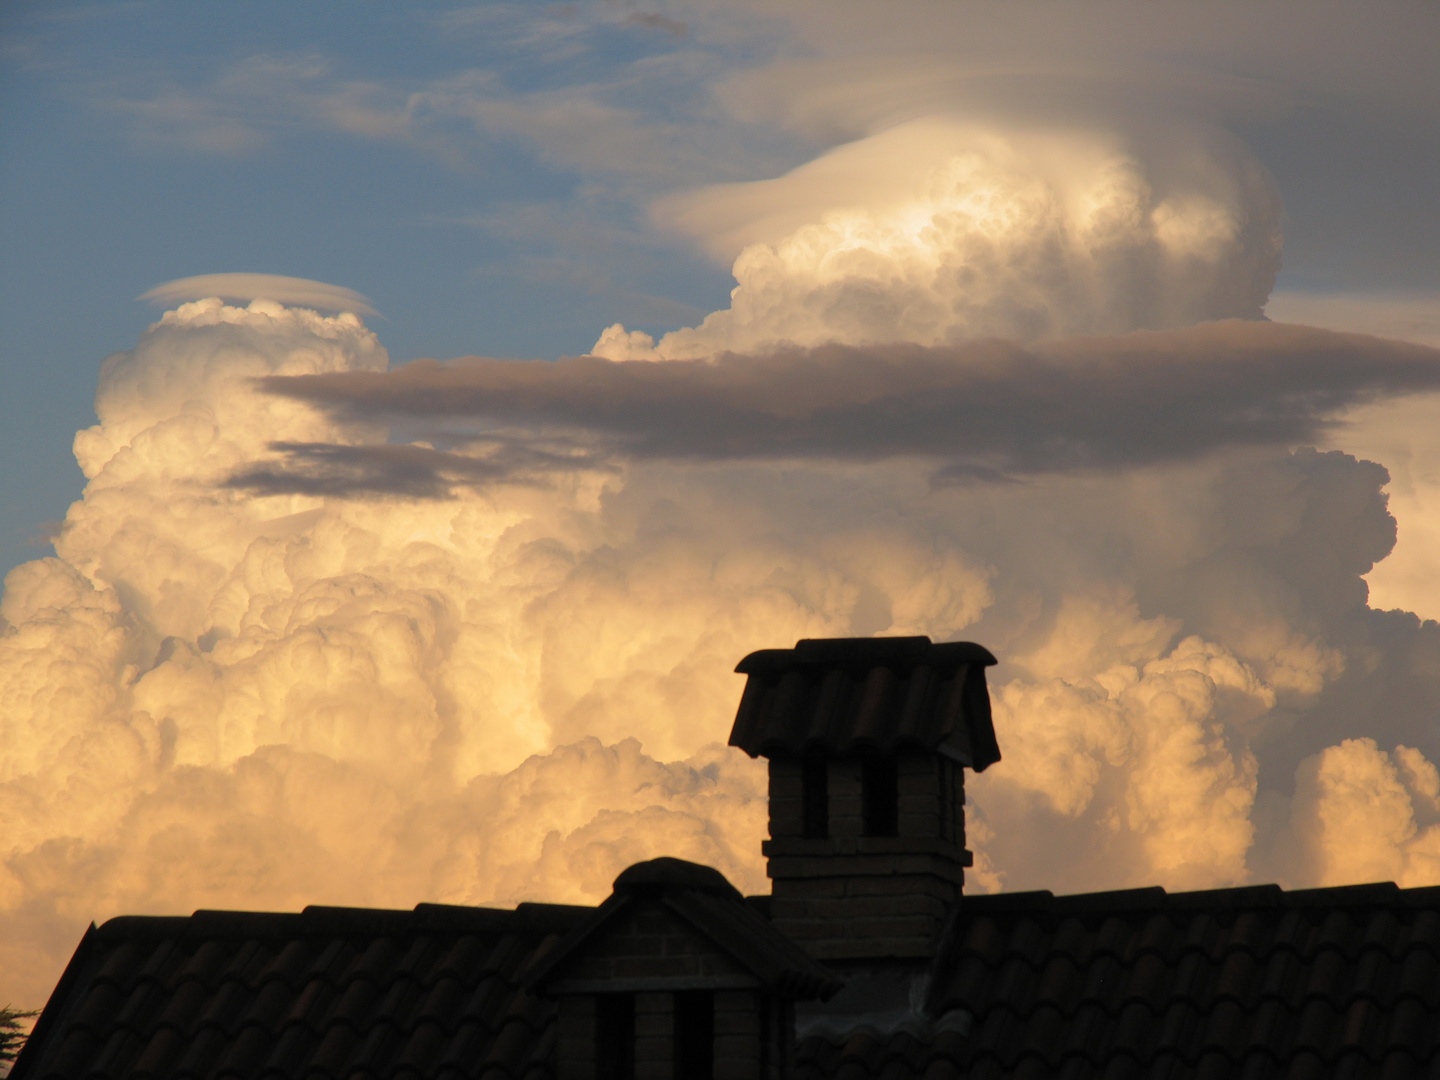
x=412, y=413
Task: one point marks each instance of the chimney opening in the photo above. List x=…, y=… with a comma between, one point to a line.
x=880, y=795
x=615, y=1037
x=695, y=1034
x=815, y=794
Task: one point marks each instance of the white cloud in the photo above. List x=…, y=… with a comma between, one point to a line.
x=1356, y=815
x=941, y=230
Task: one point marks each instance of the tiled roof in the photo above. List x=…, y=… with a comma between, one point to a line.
x=839, y=695
x=1250, y=982
x=330, y=992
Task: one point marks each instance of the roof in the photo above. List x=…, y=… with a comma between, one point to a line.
x=1224, y=983
x=711, y=906
x=846, y=695
x=1249, y=982
x=329, y=992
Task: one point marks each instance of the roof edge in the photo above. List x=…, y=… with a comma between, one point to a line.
x=34, y=1048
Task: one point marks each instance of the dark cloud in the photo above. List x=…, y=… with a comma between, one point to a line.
x=982, y=410
x=405, y=470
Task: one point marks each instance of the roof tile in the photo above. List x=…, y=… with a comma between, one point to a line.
x=1135, y=1029
x=1059, y=983
x=1400, y=1065
x=334, y=1050
x=120, y=1049
x=163, y=1050
x=1316, y=1028
x=1179, y=1027
x=1307, y=1065
x=1238, y=977
x=1282, y=974
x=1120, y=1067
x=207, y=1045
x=1270, y=1027
x=1337, y=932
x=101, y=1004
x=1225, y=1029
x=1420, y=974
x=247, y=1051
x=1412, y=1026
x=1149, y=981
x=1214, y=1065
x=1329, y=975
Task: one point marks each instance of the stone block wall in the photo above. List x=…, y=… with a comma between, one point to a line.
x=647, y=944
x=752, y=1031
x=575, y=1038
x=848, y=896
x=932, y=797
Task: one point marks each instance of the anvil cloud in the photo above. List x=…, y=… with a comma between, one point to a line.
x=986, y=408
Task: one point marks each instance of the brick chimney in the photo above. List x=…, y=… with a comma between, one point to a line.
x=867, y=739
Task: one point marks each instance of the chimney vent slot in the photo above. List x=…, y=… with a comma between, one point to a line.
x=880, y=794
x=815, y=793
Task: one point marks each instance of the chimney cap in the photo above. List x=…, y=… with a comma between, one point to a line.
x=876, y=695
x=868, y=652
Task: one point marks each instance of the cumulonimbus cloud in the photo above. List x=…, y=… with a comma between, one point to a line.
x=271, y=697
x=301, y=292
x=988, y=408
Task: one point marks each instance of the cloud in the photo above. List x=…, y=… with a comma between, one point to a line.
x=409, y=470
x=1401, y=432
x=947, y=228
x=521, y=687
x=273, y=287
x=1356, y=789
x=987, y=408
x=251, y=676
x=649, y=123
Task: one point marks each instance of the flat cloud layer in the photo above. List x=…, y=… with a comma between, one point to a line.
x=247, y=287
x=989, y=408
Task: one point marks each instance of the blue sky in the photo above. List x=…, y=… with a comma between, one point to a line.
x=483, y=172
x=474, y=244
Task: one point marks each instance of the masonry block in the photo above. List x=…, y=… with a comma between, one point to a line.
x=654, y=1036
x=575, y=1039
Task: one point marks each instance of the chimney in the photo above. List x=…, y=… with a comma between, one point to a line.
x=867, y=740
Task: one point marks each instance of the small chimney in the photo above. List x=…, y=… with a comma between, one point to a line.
x=867, y=740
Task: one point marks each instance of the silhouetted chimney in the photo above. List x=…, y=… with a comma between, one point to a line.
x=867, y=740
